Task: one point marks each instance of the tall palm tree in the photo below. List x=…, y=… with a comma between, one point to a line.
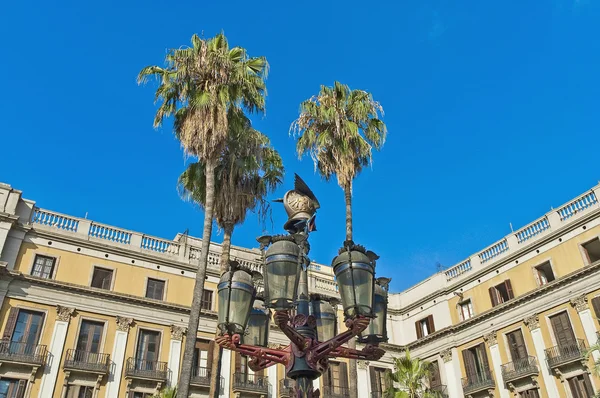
x=410, y=375
x=339, y=128
x=198, y=86
x=248, y=171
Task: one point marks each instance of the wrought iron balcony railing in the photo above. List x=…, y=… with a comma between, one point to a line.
x=247, y=382
x=478, y=382
x=286, y=388
x=440, y=389
x=143, y=369
x=200, y=376
x=335, y=392
x=565, y=353
x=519, y=368
x=87, y=361
x=13, y=351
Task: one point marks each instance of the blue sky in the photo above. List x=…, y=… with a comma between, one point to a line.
x=492, y=111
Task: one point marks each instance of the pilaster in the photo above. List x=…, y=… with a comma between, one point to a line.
x=587, y=321
x=533, y=323
x=226, y=372
x=453, y=374
x=492, y=343
x=364, y=388
x=177, y=333
x=118, y=356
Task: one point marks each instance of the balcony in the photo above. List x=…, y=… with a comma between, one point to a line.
x=440, y=389
x=567, y=353
x=335, y=392
x=147, y=370
x=250, y=383
x=286, y=388
x=87, y=361
x=520, y=368
x=479, y=382
x=200, y=377
x=23, y=353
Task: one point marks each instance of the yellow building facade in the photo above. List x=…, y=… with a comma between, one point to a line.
x=92, y=310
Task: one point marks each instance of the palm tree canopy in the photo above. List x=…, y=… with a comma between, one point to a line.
x=247, y=170
x=411, y=376
x=339, y=128
x=198, y=86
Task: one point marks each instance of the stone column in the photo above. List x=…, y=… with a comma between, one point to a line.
x=587, y=321
x=226, y=373
x=533, y=324
x=118, y=356
x=492, y=342
x=452, y=370
x=364, y=389
x=177, y=333
x=57, y=345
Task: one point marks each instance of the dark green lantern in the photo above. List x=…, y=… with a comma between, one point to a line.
x=236, y=296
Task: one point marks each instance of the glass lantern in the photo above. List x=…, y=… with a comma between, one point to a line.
x=355, y=272
x=376, y=332
x=236, y=295
x=282, y=273
x=325, y=316
x=257, y=332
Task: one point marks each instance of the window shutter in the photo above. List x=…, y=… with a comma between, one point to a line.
x=493, y=296
x=373, y=376
x=596, y=305
x=588, y=385
x=21, y=389
x=209, y=356
x=238, y=362
x=344, y=374
x=419, y=330
x=509, y=289
x=484, y=357
x=434, y=375
x=326, y=382
x=469, y=360
x=10, y=323
x=430, y=325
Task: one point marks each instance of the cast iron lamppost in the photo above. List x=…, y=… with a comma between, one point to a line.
x=308, y=321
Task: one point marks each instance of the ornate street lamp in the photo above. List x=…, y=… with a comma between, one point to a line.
x=236, y=295
x=257, y=332
x=310, y=325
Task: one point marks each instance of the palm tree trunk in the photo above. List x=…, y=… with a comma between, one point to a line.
x=215, y=370
x=348, y=197
x=192, y=331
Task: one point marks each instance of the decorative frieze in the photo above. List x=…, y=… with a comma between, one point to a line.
x=490, y=339
x=580, y=303
x=532, y=322
x=446, y=354
x=64, y=313
x=177, y=332
x=123, y=323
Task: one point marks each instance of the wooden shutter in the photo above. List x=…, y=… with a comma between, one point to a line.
x=469, y=360
x=238, y=362
x=516, y=345
x=209, y=356
x=509, y=289
x=344, y=374
x=493, y=296
x=596, y=305
x=434, y=374
x=419, y=330
x=430, y=325
x=588, y=385
x=21, y=389
x=10, y=323
x=483, y=355
x=373, y=377
x=326, y=378
x=563, y=332
x=575, y=389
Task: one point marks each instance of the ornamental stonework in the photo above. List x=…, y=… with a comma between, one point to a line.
x=64, y=313
x=177, y=332
x=490, y=339
x=123, y=323
x=532, y=322
x=580, y=303
x=446, y=355
x=362, y=364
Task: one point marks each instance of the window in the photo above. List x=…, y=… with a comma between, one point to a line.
x=102, y=278
x=434, y=375
x=581, y=387
x=203, y=354
x=592, y=250
x=501, y=293
x=533, y=393
x=476, y=363
x=155, y=289
x=466, y=310
x=335, y=379
x=43, y=266
x=425, y=327
x=596, y=306
x=23, y=330
x=544, y=274
x=378, y=380
x=563, y=332
x=11, y=388
x=147, y=351
x=90, y=335
x=516, y=345
x=207, y=297
x=80, y=392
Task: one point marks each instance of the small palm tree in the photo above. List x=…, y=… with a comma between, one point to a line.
x=169, y=392
x=249, y=169
x=410, y=376
x=339, y=128
x=198, y=87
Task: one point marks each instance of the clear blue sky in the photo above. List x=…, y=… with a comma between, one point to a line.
x=492, y=109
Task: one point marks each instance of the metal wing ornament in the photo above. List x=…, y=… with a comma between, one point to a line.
x=301, y=206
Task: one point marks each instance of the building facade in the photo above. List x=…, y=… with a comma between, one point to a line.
x=93, y=310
